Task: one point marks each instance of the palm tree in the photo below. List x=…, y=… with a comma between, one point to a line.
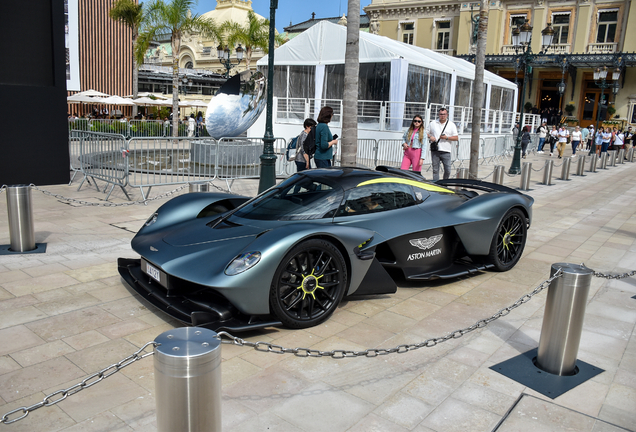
x=254, y=34
x=131, y=14
x=175, y=19
x=350, y=95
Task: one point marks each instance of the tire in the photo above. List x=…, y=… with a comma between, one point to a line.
x=508, y=241
x=308, y=284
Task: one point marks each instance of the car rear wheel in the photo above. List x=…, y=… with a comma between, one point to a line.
x=308, y=284
x=509, y=240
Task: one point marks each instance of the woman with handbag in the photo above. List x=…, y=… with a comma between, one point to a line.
x=554, y=137
x=412, y=141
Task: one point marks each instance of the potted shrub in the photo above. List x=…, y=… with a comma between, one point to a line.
x=611, y=110
x=569, y=109
x=527, y=107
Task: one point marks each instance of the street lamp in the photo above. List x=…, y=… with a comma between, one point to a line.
x=186, y=84
x=224, y=57
x=600, y=79
x=268, y=158
x=521, y=39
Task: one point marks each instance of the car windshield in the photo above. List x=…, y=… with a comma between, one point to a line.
x=302, y=199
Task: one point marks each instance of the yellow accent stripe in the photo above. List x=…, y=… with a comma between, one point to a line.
x=414, y=183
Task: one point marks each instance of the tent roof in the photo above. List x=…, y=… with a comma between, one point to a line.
x=324, y=43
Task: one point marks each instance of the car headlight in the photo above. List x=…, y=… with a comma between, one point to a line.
x=152, y=219
x=243, y=262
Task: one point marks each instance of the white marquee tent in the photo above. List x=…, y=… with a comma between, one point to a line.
x=312, y=66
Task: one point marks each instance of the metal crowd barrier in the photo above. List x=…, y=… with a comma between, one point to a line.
x=103, y=156
x=170, y=161
x=152, y=161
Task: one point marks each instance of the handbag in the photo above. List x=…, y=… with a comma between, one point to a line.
x=435, y=144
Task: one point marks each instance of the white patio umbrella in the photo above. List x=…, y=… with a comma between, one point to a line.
x=92, y=92
x=79, y=98
x=117, y=100
x=148, y=95
x=147, y=101
x=168, y=103
x=197, y=103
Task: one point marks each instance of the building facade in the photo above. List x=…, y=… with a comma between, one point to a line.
x=197, y=52
x=588, y=34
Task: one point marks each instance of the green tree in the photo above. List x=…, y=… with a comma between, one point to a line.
x=175, y=19
x=254, y=34
x=350, y=97
x=131, y=14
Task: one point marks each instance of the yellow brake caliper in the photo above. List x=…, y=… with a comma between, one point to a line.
x=310, y=284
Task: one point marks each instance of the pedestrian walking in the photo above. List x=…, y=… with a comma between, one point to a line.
x=441, y=133
x=564, y=134
x=302, y=160
x=543, y=133
x=590, y=138
x=554, y=137
x=577, y=136
x=324, y=139
x=412, y=141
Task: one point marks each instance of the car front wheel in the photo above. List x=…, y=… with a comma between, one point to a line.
x=509, y=240
x=308, y=284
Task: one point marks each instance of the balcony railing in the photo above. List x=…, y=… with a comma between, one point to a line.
x=560, y=49
x=602, y=48
x=554, y=49
x=450, y=52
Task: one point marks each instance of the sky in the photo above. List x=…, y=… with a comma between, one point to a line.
x=295, y=11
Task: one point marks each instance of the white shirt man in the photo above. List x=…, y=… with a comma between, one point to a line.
x=563, y=140
x=450, y=134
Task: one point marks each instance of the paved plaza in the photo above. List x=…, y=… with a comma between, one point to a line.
x=66, y=314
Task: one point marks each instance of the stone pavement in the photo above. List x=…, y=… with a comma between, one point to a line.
x=66, y=314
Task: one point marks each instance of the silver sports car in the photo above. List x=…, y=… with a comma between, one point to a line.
x=293, y=252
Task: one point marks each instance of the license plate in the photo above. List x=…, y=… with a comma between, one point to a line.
x=153, y=272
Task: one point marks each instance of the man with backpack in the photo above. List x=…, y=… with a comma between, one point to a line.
x=305, y=146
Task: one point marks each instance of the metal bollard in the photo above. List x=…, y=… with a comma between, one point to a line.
x=563, y=319
x=580, y=167
x=462, y=173
x=526, y=170
x=630, y=154
x=603, y=161
x=593, y=161
x=498, y=174
x=199, y=187
x=565, y=169
x=612, y=157
x=547, y=172
x=20, y=218
x=188, y=380
x=621, y=156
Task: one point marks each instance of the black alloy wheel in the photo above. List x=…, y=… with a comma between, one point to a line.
x=509, y=240
x=308, y=284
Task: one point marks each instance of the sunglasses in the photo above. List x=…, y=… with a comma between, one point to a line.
x=417, y=121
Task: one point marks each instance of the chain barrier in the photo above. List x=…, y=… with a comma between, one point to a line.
x=87, y=382
x=107, y=204
x=486, y=176
x=540, y=169
x=616, y=276
x=400, y=349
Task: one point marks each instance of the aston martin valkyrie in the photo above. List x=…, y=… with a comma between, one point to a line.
x=289, y=255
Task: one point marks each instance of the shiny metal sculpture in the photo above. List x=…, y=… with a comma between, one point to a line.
x=237, y=105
